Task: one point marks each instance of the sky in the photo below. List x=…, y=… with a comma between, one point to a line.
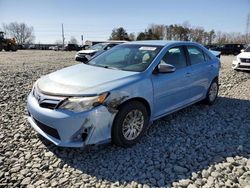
x=95, y=19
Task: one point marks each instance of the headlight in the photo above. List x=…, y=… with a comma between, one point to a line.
x=80, y=104
x=237, y=59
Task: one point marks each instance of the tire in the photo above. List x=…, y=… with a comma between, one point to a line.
x=13, y=48
x=126, y=134
x=212, y=92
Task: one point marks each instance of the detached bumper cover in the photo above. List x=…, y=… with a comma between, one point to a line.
x=64, y=128
x=83, y=57
x=240, y=65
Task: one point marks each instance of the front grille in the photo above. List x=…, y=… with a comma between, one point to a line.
x=245, y=60
x=48, y=105
x=49, y=130
x=82, y=54
x=46, y=101
x=244, y=66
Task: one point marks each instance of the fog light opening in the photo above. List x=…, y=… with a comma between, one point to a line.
x=84, y=134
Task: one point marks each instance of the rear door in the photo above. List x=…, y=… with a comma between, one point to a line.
x=201, y=66
x=171, y=89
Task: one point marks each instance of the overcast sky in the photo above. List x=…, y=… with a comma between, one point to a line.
x=95, y=19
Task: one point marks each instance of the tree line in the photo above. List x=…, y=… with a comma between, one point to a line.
x=182, y=32
x=24, y=34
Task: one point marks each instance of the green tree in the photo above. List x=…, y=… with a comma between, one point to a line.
x=119, y=34
x=141, y=36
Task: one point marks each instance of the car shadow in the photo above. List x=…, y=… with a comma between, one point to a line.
x=174, y=147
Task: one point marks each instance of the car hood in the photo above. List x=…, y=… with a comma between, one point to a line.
x=87, y=51
x=244, y=55
x=83, y=79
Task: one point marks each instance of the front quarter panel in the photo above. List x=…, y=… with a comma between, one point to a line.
x=141, y=88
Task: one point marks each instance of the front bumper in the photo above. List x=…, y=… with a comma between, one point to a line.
x=65, y=128
x=240, y=65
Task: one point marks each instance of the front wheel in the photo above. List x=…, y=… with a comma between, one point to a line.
x=212, y=92
x=129, y=124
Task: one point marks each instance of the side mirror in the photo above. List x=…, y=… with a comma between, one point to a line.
x=242, y=50
x=166, y=68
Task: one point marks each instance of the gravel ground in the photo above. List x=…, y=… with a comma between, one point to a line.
x=199, y=146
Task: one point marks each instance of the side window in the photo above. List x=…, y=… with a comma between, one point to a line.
x=176, y=57
x=196, y=55
x=109, y=46
x=207, y=57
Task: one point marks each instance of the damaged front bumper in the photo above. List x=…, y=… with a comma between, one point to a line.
x=69, y=129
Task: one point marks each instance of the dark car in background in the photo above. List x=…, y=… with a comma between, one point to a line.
x=71, y=47
x=211, y=46
x=229, y=49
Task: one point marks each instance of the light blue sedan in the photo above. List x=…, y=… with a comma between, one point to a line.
x=118, y=94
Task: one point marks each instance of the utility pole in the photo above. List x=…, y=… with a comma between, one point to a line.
x=248, y=28
x=82, y=39
x=63, y=35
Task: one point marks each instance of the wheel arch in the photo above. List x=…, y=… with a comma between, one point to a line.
x=138, y=99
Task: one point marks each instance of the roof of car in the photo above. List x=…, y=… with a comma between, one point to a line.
x=159, y=42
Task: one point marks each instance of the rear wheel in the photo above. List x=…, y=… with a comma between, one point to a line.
x=212, y=92
x=129, y=124
x=13, y=48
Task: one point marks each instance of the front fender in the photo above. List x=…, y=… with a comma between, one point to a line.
x=139, y=89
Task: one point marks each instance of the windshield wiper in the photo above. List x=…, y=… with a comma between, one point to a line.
x=105, y=66
x=108, y=67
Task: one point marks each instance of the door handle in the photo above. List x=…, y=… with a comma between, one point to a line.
x=188, y=74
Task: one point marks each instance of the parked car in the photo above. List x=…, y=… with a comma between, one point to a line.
x=211, y=46
x=32, y=46
x=242, y=61
x=228, y=49
x=51, y=47
x=84, y=47
x=55, y=48
x=71, y=47
x=119, y=93
x=97, y=49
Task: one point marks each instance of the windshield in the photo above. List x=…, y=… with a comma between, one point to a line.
x=129, y=57
x=247, y=49
x=98, y=46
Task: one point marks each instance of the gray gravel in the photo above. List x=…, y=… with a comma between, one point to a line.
x=199, y=146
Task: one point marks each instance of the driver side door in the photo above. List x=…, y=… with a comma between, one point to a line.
x=171, y=89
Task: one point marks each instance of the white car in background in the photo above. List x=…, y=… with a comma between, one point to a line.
x=242, y=61
x=97, y=49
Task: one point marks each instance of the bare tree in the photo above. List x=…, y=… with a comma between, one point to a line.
x=73, y=40
x=158, y=30
x=58, y=42
x=20, y=31
x=131, y=36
